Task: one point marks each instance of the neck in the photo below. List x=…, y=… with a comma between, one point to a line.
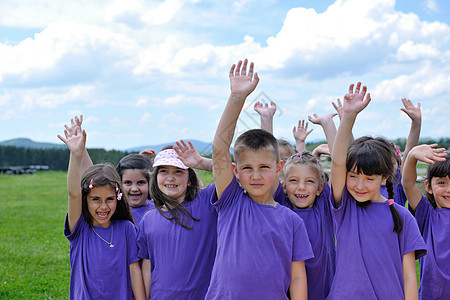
x=264, y=201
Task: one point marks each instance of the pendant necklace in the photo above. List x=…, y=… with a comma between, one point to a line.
x=109, y=243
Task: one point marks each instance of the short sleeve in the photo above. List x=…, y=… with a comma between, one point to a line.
x=130, y=231
x=231, y=193
x=413, y=240
x=141, y=241
x=302, y=247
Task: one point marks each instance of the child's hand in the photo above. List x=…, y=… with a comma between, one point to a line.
x=241, y=83
x=355, y=102
x=69, y=131
x=265, y=110
x=322, y=149
x=412, y=111
x=148, y=152
x=428, y=153
x=75, y=140
x=188, y=155
x=301, y=132
x=320, y=120
x=339, y=108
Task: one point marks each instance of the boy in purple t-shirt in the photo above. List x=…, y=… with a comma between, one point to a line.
x=261, y=245
x=433, y=217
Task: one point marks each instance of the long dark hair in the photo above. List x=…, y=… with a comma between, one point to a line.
x=373, y=156
x=104, y=175
x=174, y=210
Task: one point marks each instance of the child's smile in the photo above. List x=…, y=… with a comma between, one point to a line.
x=173, y=182
x=101, y=202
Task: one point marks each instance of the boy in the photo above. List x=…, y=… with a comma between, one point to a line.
x=261, y=245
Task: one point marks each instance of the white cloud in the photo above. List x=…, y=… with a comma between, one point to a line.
x=431, y=6
x=146, y=118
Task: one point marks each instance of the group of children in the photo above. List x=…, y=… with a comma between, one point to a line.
x=273, y=225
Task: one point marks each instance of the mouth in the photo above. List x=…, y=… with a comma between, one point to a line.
x=171, y=186
x=135, y=196
x=103, y=215
x=256, y=185
x=301, y=197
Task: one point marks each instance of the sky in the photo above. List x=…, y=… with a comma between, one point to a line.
x=145, y=72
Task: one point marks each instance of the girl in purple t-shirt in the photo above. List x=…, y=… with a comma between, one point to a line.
x=433, y=217
x=135, y=170
x=103, y=250
x=177, y=239
x=377, y=239
x=307, y=192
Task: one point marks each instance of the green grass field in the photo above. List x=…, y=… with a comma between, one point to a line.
x=34, y=254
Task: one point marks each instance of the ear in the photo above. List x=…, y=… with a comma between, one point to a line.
x=280, y=165
x=284, y=186
x=383, y=181
x=320, y=189
x=428, y=187
x=235, y=170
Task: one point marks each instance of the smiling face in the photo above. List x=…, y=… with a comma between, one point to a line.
x=173, y=182
x=257, y=172
x=101, y=204
x=365, y=187
x=440, y=189
x=135, y=185
x=302, y=185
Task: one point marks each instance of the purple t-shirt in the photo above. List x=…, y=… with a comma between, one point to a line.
x=181, y=259
x=139, y=211
x=256, y=245
x=99, y=271
x=399, y=193
x=435, y=267
x=369, y=253
x=319, y=225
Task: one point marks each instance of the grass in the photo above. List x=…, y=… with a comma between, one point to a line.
x=34, y=254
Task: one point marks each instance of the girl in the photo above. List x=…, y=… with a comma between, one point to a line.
x=433, y=217
x=307, y=193
x=177, y=240
x=377, y=239
x=134, y=170
x=103, y=251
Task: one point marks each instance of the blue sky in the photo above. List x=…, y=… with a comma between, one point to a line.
x=151, y=72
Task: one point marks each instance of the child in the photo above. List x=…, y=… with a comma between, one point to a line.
x=177, y=240
x=377, y=240
x=103, y=251
x=433, y=217
x=134, y=170
x=307, y=193
x=261, y=245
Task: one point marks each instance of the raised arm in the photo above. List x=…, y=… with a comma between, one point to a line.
x=425, y=153
x=191, y=158
x=266, y=113
x=76, y=144
x=415, y=114
x=242, y=84
x=300, y=133
x=354, y=102
x=86, y=161
x=340, y=111
x=327, y=123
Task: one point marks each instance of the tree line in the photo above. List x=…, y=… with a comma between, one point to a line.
x=57, y=159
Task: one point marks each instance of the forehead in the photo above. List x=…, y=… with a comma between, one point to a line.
x=301, y=170
x=133, y=174
x=172, y=168
x=97, y=191
x=263, y=156
x=440, y=178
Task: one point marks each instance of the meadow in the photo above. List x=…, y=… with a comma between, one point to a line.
x=34, y=254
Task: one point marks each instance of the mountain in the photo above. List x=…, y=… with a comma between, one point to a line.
x=201, y=147
x=28, y=143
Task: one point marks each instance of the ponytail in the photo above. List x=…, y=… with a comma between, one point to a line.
x=398, y=221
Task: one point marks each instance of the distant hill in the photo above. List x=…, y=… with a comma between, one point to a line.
x=201, y=147
x=28, y=143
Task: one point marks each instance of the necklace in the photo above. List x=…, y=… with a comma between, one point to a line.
x=109, y=243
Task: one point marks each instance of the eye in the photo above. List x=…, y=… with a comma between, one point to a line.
x=246, y=168
x=142, y=182
x=109, y=199
x=162, y=171
x=292, y=180
x=127, y=182
x=265, y=167
x=310, y=181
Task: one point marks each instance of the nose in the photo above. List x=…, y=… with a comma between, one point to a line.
x=301, y=185
x=103, y=205
x=256, y=174
x=359, y=184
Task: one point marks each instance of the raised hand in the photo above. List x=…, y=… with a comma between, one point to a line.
x=339, y=108
x=264, y=110
x=356, y=101
x=321, y=149
x=188, y=154
x=321, y=120
x=241, y=82
x=412, y=111
x=147, y=152
x=77, y=121
x=301, y=132
x=75, y=140
x=428, y=153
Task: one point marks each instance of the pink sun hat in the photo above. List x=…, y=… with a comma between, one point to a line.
x=168, y=158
